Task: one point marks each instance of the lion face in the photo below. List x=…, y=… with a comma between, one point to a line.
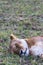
x=18, y=46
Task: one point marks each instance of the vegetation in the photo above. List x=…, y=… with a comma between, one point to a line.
x=23, y=18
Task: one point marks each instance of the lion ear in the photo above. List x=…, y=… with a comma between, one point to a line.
x=13, y=37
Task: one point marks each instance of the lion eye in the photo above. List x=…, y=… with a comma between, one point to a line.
x=16, y=45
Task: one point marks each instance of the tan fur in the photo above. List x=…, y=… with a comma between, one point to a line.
x=32, y=41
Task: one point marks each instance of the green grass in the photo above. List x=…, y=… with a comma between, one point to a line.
x=24, y=18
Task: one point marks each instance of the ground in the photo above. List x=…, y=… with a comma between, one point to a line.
x=24, y=18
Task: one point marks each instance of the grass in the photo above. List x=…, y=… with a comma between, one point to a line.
x=24, y=18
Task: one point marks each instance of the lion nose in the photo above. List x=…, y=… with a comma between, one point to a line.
x=21, y=52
